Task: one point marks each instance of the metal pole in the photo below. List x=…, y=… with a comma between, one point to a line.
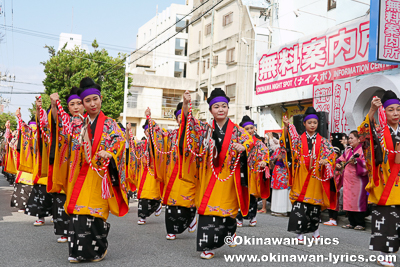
x=125, y=92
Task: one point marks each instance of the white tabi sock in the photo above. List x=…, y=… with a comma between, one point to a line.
x=316, y=233
x=300, y=237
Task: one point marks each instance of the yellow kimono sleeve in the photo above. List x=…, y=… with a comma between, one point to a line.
x=26, y=152
x=58, y=171
x=115, y=145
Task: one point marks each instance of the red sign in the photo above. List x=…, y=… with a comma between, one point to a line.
x=341, y=52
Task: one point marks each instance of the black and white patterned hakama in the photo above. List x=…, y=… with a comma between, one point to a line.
x=304, y=218
x=87, y=237
x=40, y=203
x=178, y=219
x=20, y=196
x=212, y=230
x=252, y=210
x=60, y=218
x=146, y=207
x=385, y=228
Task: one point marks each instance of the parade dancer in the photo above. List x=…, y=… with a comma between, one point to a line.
x=58, y=163
x=218, y=166
x=24, y=182
x=146, y=177
x=40, y=203
x=381, y=152
x=178, y=195
x=259, y=184
x=96, y=181
x=312, y=186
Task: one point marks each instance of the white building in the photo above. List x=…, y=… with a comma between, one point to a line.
x=71, y=40
x=159, y=76
x=312, y=39
x=222, y=53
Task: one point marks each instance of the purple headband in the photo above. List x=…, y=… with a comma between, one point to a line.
x=311, y=116
x=219, y=99
x=122, y=129
x=146, y=127
x=90, y=91
x=391, y=102
x=178, y=113
x=72, y=97
x=32, y=122
x=247, y=123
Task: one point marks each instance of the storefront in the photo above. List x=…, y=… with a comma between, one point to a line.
x=329, y=70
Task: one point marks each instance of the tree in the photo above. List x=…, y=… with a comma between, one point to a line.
x=65, y=69
x=45, y=104
x=95, y=45
x=4, y=117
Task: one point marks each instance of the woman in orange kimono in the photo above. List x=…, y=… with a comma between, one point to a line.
x=381, y=152
x=259, y=184
x=218, y=167
x=24, y=147
x=312, y=186
x=96, y=185
x=40, y=202
x=177, y=194
x=146, y=177
x=58, y=158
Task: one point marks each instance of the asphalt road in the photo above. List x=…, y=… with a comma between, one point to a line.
x=130, y=244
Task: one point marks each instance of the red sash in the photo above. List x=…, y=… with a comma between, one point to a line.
x=221, y=158
x=85, y=167
x=177, y=169
x=307, y=162
x=394, y=169
x=18, y=177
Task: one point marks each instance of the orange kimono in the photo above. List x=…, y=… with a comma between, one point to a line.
x=221, y=186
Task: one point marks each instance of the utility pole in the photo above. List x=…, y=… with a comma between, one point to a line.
x=125, y=92
x=271, y=22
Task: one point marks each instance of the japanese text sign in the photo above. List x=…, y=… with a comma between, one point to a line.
x=337, y=53
x=385, y=32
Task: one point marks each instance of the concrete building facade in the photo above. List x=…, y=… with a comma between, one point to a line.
x=159, y=73
x=222, y=54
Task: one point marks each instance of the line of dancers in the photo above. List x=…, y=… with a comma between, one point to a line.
x=79, y=167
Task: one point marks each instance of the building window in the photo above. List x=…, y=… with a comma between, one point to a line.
x=215, y=61
x=180, y=26
x=132, y=99
x=331, y=4
x=208, y=63
x=208, y=29
x=204, y=66
x=227, y=19
x=231, y=91
x=150, y=33
x=230, y=55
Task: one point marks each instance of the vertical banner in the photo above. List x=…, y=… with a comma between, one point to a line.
x=332, y=98
x=322, y=99
x=384, y=37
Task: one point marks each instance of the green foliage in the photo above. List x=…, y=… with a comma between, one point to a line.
x=4, y=117
x=66, y=68
x=46, y=102
x=95, y=45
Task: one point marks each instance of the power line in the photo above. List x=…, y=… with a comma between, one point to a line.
x=21, y=93
x=193, y=10
x=56, y=38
